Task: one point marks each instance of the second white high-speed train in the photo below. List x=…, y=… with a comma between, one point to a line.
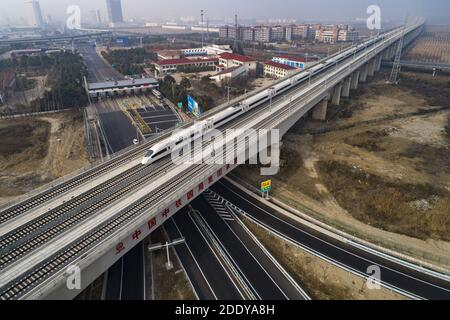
x=164, y=147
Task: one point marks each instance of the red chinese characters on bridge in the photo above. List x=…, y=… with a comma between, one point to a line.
x=119, y=248
x=165, y=213
x=137, y=234
x=151, y=224
x=201, y=187
x=190, y=194
x=179, y=203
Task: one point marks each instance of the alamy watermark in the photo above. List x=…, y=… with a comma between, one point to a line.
x=374, y=279
x=232, y=147
x=73, y=22
x=374, y=19
x=73, y=281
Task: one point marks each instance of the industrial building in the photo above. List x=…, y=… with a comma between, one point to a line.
x=294, y=61
x=34, y=13
x=229, y=74
x=210, y=51
x=115, y=15
x=277, y=70
x=230, y=60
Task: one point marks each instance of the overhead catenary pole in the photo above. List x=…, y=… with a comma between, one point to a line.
x=203, y=36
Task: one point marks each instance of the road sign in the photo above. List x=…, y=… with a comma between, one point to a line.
x=266, y=186
x=193, y=107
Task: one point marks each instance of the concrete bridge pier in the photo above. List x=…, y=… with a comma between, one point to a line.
x=364, y=71
x=355, y=79
x=320, y=110
x=371, y=66
x=393, y=49
x=337, y=94
x=346, y=87
x=378, y=63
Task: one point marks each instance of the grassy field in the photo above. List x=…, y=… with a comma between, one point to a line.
x=379, y=168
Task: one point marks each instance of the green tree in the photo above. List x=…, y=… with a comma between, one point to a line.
x=185, y=83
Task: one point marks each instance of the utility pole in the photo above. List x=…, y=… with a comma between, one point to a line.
x=398, y=55
x=203, y=36
x=228, y=92
x=167, y=245
x=271, y=92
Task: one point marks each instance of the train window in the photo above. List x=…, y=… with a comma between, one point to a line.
x=160, y=153
x=149, y=154
x=218, y=123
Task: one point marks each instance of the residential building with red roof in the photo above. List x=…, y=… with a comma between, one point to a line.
x=230, y=60
x=173, y=65
x=294, y=61
x=277, y=70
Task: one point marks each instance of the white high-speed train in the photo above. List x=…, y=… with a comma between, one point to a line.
x=164, y=148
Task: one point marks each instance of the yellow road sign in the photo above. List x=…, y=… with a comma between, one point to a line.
x=266, y=186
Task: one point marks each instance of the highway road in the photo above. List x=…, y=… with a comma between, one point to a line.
x=415, y=284
x=126, y=276
x=209, y=278
x=98, y=69
x=263, y=277
x=118, y=129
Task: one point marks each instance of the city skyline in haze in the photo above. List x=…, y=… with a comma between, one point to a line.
x=163, y=10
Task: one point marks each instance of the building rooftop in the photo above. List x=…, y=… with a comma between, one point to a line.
x=279, y=65
x=229, y=70
x=296, y=58
x=182, y=61
x=237, y=57
x=168, y=52
x=122, y=83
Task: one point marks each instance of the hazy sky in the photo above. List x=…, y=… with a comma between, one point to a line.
x=436, y=10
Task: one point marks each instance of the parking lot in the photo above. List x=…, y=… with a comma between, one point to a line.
x=152, y=112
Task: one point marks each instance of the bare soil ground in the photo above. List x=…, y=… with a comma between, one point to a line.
x=432, y=46
x=379, y=168
x=320, y=279
x=37, y=150
x=20, y=101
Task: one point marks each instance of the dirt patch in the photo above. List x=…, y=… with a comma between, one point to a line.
x=37, y=150
x=168, y=284
x=320, y=279
x=416, y=210
x=16, y=138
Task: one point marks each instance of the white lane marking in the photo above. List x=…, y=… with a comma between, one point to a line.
x=196, y=262
x=307, y=233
